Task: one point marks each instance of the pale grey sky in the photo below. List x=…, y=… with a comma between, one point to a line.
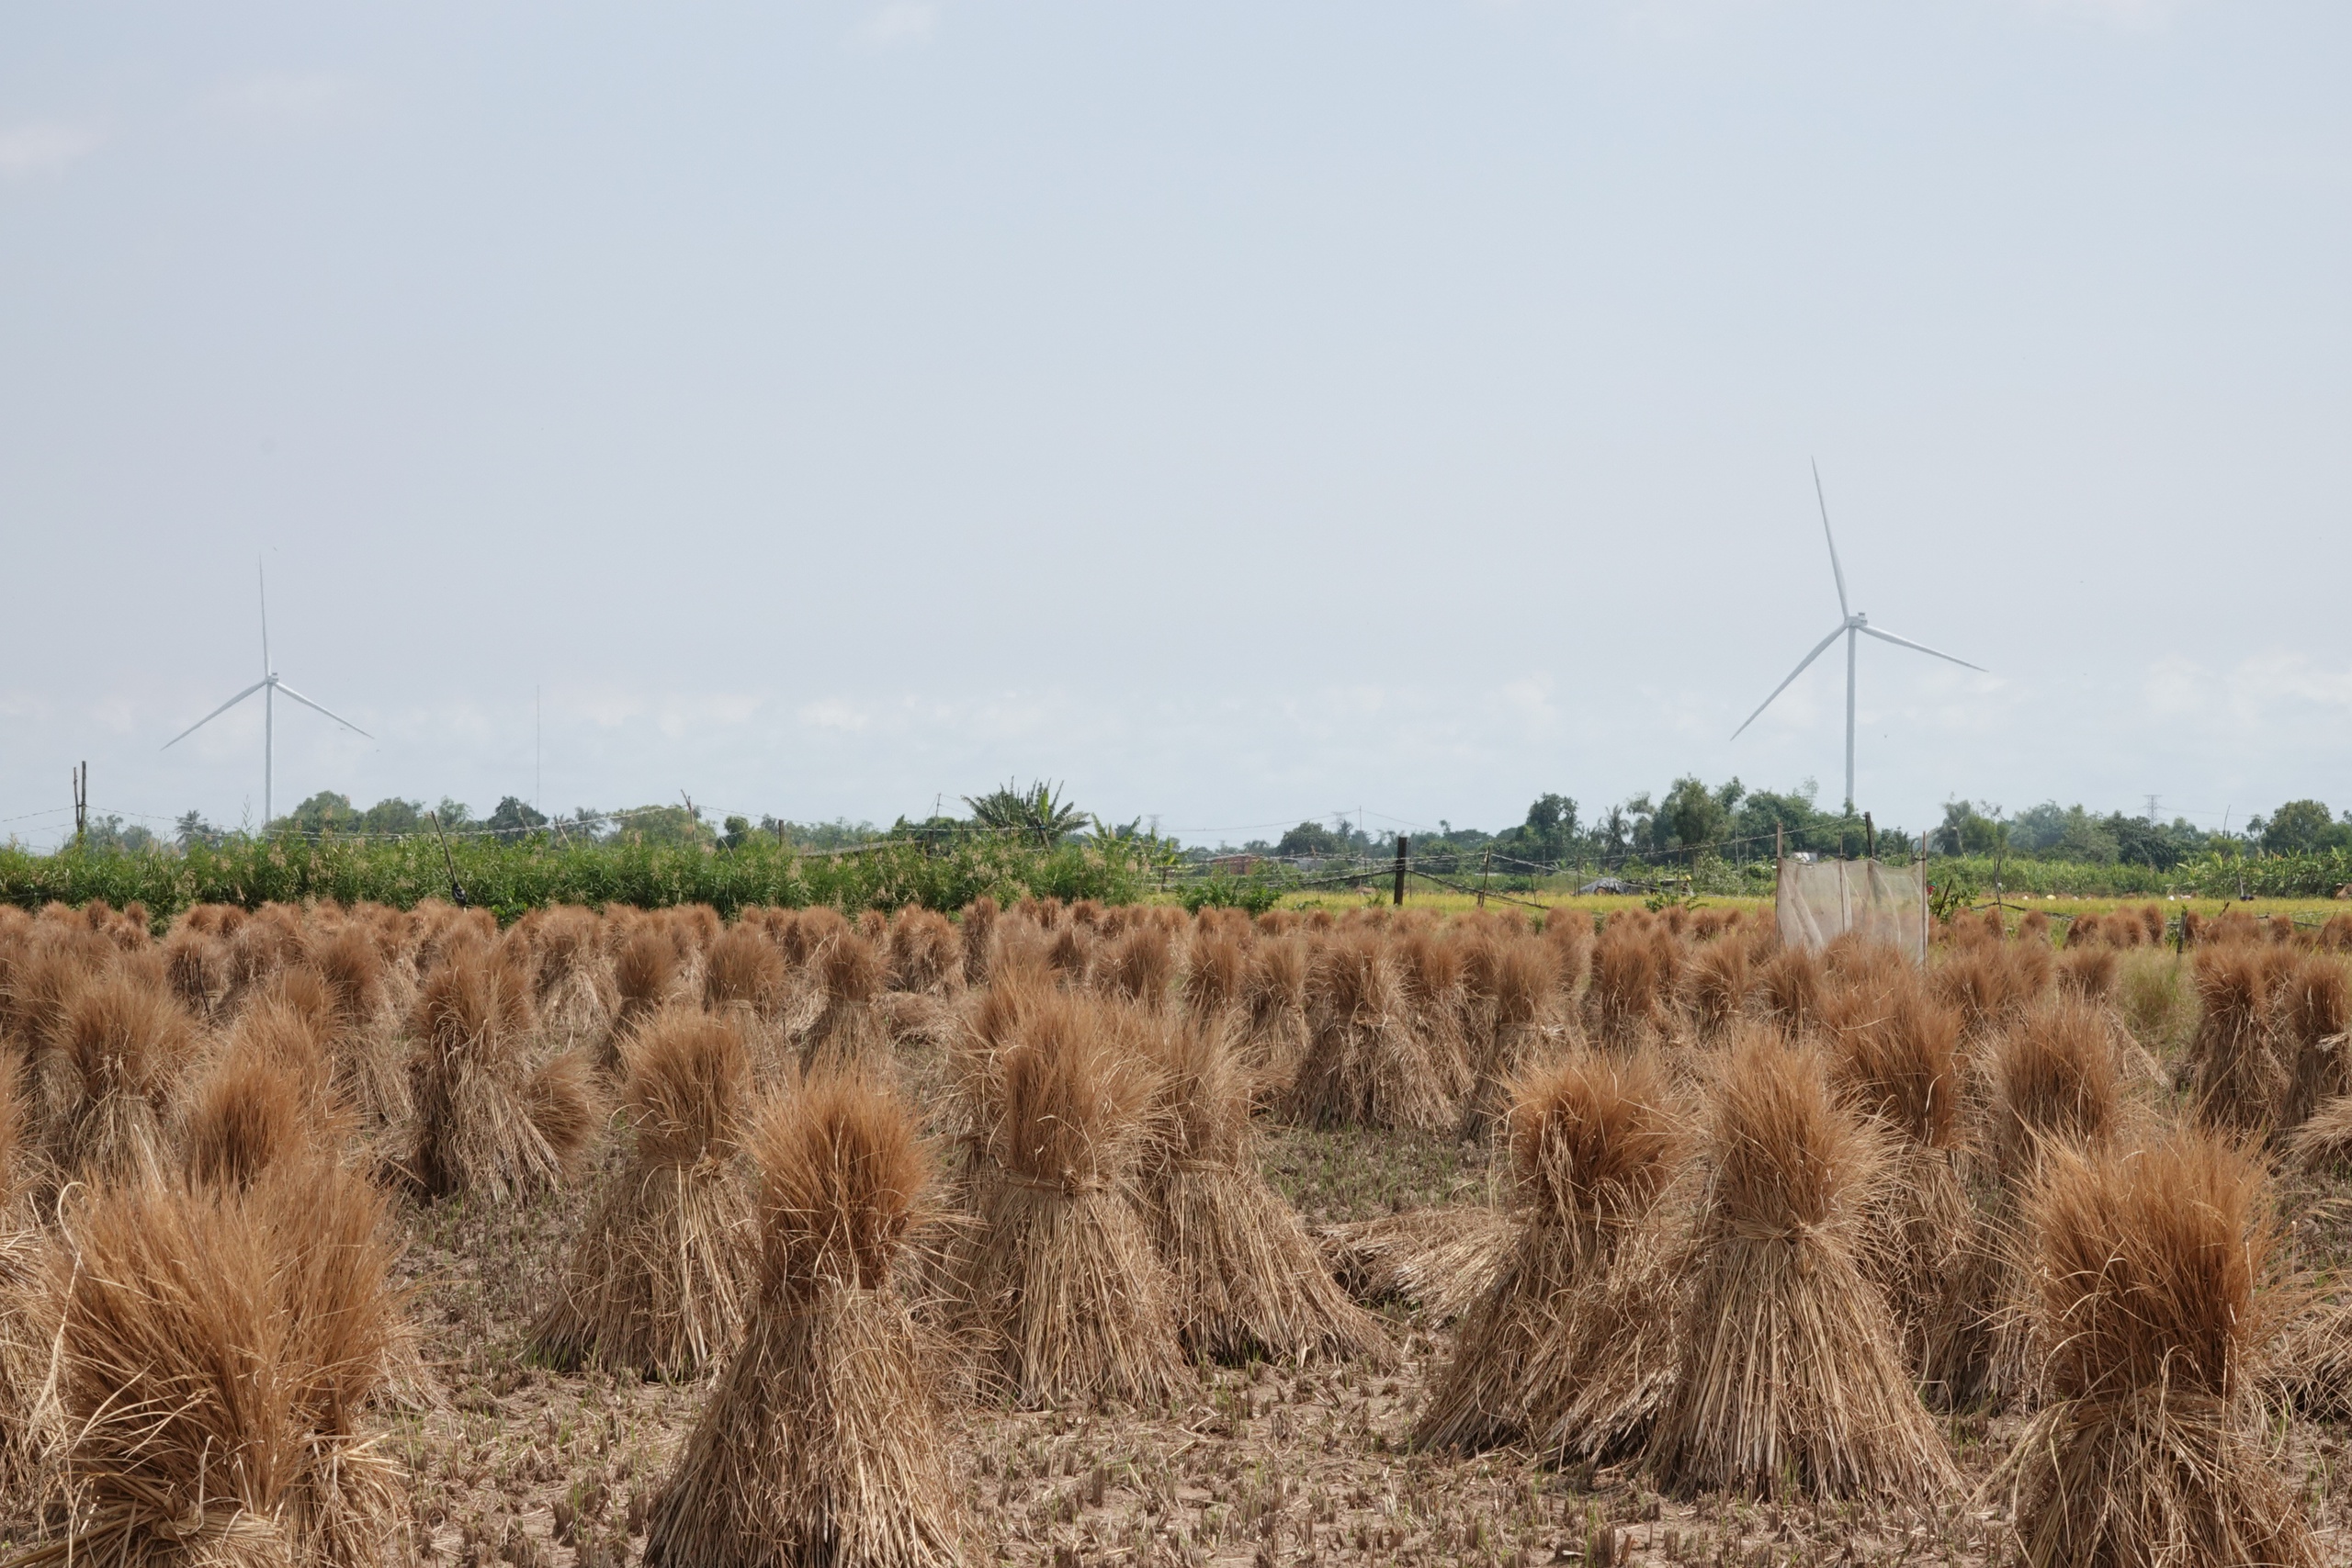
x=1239, y=412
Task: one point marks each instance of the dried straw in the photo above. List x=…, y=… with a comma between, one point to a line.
x=116, y=1057
x=214, y=1353
x=1365, y=1064
x=1439, y=1260
x=1556, y=1346
x=1790, y=1380
x=1245, y=1279
x=487, y=1123
x=821, y=1444
x=2149, y=1320
x=1058, y=1276
x=660, y=1278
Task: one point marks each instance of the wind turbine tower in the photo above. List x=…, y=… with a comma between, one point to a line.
x=1853, y=625
x=269, y=687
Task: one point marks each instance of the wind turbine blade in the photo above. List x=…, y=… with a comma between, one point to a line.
x=1838, y=570
x=1819, y=650
x=1922, y=647
x=262, y=577
x=216, y=712
x=286, y=690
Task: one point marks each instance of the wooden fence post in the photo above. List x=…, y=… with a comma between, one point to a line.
x=1402, y=841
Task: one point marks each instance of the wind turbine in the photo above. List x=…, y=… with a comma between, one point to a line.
x=1852, y=624
x=269, y=687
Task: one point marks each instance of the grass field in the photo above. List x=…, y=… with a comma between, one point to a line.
x=2307, y=911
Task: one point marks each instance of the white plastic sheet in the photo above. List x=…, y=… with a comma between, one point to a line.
x=1818, y=901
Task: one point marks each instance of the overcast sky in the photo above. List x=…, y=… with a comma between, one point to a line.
x=1238, y=412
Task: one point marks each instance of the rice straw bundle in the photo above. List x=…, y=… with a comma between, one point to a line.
x=1216, y=976
x=693, y=928
x=807, y=930
x=1634, y=969
x=50, y=968
x=1790, y=1378
x=1274, y=991
x=2088, y=972
x=1791, y=985
x=571, y=984
x=821, y=1447
x=344, y=990
x=1859, y=963
x=1989, y=983
x=848, y=974
x=1057, y=1275
x=659, y=1280
x=213, y=1352
x=271, y=938
x=977, y=938
x=645, y=968
x=926, y=952
x=110, y=1074
x=1139, y=965
x=2053, y=1079
x=1594, y=1141
x=1067, y=951
x=269, y=1099
x=487, y=1123
x=2151, y=1322
x=1517, y=1026
x=2236, y=1078
x=1448, y=987
x=197, y=967
x=2053, y=1083
x=1568, y=933
x=1896, y=1060
x=126, y=927
x=2311, y=1005
x=743, y=969
x=2324, y=1140
x=1364, y=1064
x=1245, y=1279
x=1716, y=986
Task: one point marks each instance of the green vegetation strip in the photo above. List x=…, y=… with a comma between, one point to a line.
x=510, y=878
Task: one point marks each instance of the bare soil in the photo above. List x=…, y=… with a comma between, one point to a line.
x=1260, y=1464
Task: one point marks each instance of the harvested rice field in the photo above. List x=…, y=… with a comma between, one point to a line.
x=1070, y=1235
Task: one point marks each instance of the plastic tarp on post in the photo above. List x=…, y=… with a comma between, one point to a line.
x=1818, y=901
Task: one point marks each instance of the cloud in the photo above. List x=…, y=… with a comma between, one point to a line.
x=899, y=24
x=834, y=713
x=2254, y=691
x=28, y=150
x=284, y=97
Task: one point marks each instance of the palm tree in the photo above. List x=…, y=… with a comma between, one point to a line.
x=1039, y=810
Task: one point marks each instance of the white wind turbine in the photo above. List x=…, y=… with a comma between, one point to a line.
x=269, y=687
x=1854, y=623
